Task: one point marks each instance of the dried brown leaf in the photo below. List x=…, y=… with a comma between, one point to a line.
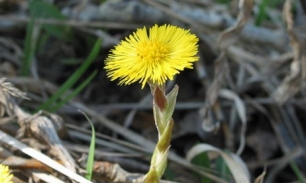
x=8, y=88
x=230, y=35
x=292, y=82
x=209, y=116
x=241, y=110
x=227, y=38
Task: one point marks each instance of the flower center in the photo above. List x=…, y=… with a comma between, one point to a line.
x=153, y=51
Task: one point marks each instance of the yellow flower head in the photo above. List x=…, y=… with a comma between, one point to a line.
x=5, y=176
x=154, y=56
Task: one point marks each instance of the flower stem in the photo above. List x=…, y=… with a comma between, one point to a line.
x=163, y=107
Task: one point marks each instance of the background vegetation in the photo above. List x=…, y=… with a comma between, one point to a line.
x=240, y=111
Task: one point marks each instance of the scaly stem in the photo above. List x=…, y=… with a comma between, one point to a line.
x=163, y=107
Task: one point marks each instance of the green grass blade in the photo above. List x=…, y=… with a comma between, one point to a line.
x=223, y=1
x=91, y=154
x=262, y=15
x=45, y=9
x=44, y=36
x=29, y=50
x=74, y=78
x=170, y=174
x=202, y=160
x=41, y=9
x=297, y=172
x=222, y=168
x=75, y=92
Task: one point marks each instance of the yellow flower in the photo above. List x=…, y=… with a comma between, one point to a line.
x=154, y=56
x=5, y=176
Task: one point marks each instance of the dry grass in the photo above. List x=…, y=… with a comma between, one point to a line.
x=246, y=94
